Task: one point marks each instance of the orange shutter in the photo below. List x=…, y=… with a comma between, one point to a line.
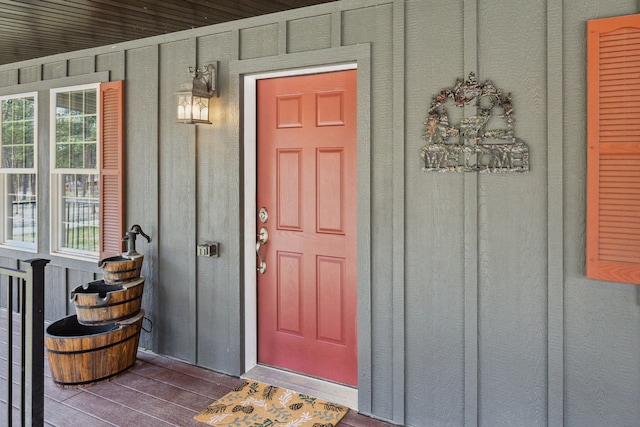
x=112, y=168
x=613, y=157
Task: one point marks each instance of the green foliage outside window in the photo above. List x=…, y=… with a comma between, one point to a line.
x=76, y=130
x=17, y=118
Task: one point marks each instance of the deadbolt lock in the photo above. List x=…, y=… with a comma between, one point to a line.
x=263, y=215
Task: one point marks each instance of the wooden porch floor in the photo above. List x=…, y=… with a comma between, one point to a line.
x=158, y=391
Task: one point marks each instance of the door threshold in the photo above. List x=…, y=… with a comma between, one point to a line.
x=329, y=391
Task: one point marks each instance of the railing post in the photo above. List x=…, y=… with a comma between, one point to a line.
x=33, y=343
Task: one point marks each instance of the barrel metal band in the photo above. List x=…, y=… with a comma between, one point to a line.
x=105, y=378
x=111, y=304
x=126, y=279
x=104, y=322
x=94, y=349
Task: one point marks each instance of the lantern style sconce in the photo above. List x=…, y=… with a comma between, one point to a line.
x=193, y=97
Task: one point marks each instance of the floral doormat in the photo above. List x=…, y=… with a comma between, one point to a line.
x=255, y=404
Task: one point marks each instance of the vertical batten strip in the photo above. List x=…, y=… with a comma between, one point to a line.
x=234, y=55
x=241, y=321
x=555, y=216
x=142, y=74
x=191, y=216
x=336, y=29
x=193, y=291
x=365, y=231
x=398, y=214
x=283, y=27
x=9, y=347
x=470, y=54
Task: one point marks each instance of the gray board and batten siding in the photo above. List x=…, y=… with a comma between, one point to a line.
x=473, y=303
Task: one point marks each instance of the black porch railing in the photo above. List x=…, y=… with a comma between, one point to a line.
x=81, y=223
x=29, y=303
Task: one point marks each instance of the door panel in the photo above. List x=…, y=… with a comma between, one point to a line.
x=330, y=203
x=289, y=189
x=290, y=299
x=307, y=297
x=331, y=287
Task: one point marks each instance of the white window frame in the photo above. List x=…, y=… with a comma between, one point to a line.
x=56, y=185
x=4, y=240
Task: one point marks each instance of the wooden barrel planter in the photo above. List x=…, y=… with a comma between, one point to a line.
x=99, y=303
x=121, y=269
x=80, y=356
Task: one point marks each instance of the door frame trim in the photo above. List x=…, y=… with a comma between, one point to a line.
x=243, y=75
x=250, y=181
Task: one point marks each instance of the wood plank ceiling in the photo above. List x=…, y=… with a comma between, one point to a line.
x=32, y=29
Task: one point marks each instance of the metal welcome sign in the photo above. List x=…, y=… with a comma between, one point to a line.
x=484, y=142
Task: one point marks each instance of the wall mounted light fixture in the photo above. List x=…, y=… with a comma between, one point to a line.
x=193, y=97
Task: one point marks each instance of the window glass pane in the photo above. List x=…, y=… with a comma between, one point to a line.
x=7, y=133
x=62, y=104
x=90, y=156
x=29, y=109
x=76, y=133
x=77, y=156
x=90, y=131
x=90, y=101
x=4, y=109
x=80, y=212
x=62, y=129
x=17, y=132
x=29, y=134
x=18, y=109
x=29, y=156
x=21, y=219
x=19, y=157
x=7, y=156
x=62, y=156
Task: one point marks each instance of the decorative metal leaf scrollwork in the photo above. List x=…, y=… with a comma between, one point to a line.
x=484, y=142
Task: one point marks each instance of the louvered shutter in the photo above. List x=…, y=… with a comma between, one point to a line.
x=613, y=157
x=112, y=168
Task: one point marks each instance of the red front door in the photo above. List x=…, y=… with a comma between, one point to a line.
x=307, y=295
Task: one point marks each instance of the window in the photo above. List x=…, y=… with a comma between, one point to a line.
x=18, y=182
x=74, y=179
x=86, y=170
x=613, y=157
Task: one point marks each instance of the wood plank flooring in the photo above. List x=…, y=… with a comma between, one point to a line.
x=157, y=391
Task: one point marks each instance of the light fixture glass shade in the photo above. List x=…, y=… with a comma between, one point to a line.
x=193, y=97
x=192, y=108
x=200, y=109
